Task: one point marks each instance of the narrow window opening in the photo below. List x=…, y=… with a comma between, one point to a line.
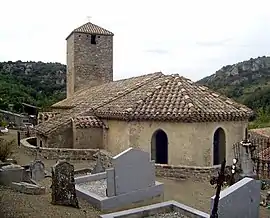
x=159, y=147
x=93, y=39
x=219, y=146
x=246, y=134
x=40, y=144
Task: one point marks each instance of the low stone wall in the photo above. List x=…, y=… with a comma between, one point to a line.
x=162, y=170
x=24, y=134
x=55, y=153
x=186, y=172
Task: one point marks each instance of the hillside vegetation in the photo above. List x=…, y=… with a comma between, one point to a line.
x=43, y=84
x=247, y=82
x=37, y=83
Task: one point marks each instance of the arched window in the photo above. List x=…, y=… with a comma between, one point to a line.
x=159, y=147
x=219, y=146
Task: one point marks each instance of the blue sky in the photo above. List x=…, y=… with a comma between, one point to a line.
x=193, y=38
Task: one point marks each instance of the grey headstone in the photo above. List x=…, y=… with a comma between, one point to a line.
x=37, y=170
x=63, y=184
x=242, y=199
x=133, y=171
x=110, y=182
x=98, y=168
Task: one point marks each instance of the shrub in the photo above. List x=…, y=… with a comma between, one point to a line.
x=6, y=149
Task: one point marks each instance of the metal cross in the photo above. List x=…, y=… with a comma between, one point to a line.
x=220, y=182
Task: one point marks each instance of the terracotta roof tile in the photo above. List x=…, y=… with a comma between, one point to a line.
x=44, y=116
x=91, y=28
x=103, y=94
x=262, y=131
x=150, y=97
x=60, y=120
x=265, y=154
x=88, y=122
x=87, y=100
x=174, y=98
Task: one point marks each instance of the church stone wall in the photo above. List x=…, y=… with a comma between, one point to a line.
x=188, y=143
x=89, y=138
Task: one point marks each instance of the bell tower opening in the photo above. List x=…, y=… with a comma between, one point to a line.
x=93, y=39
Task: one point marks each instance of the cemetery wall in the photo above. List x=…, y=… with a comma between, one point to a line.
x=163, y=170
x=54, y=153
x=24, y=134
x=186, y=172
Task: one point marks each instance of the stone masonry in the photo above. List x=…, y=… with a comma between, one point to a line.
x=88, y=64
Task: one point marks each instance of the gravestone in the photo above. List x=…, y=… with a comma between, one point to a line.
x=63, y=184
x=99, y=167
x=37, y=170
x=242, y=199
x=132, y=170
x=247, y=164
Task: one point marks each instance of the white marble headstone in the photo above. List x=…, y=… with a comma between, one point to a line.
x=37, y=170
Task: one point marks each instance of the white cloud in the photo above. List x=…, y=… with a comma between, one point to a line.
x=195, y=37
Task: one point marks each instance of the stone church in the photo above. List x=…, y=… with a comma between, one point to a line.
x=174, y=119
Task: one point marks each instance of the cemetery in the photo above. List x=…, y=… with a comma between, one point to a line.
x=129, y=188
x=129, y=181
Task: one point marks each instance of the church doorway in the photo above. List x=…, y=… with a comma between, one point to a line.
x=219, y=146
x=159, y=147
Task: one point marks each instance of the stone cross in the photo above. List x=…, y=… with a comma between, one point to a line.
x=99, y=167
x=247, y=164
x=63, y=184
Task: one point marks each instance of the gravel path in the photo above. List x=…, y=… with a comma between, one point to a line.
x=18, y=205
x=168, y=215
x=98, y=187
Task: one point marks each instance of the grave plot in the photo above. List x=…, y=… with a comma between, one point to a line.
x=168, y=209
x=130, y=181
x=23, y=178
x=242, y=199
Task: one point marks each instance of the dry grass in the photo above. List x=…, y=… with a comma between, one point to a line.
x=6, y=148
x=18, y=205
